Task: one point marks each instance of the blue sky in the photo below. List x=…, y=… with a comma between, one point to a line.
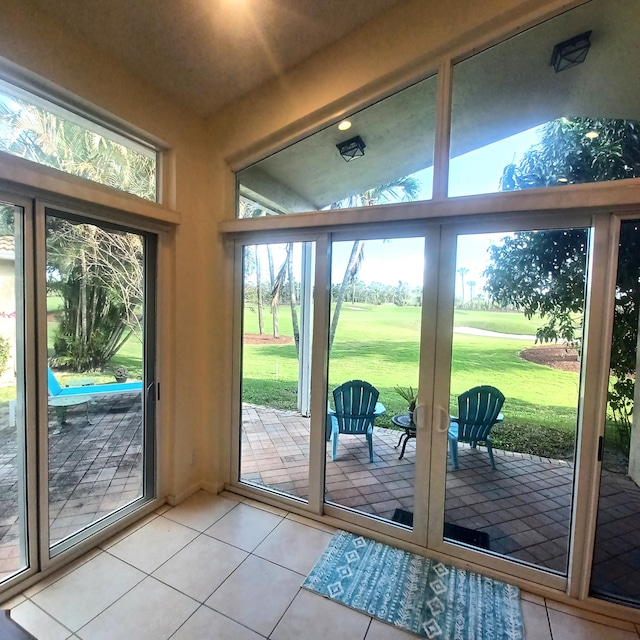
x=403, y=259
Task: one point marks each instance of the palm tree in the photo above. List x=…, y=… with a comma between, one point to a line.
x=472, y=285
x=38, y=135
x=463, y=272
x=286, y=274
x=272, y=279
x=259, y=290
x=404, y=189
x=251, y=210
x=292, y=301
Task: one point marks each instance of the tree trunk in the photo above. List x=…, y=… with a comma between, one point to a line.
x=82, y=307
x=356, y=250
x=259, y=291
x=292, y=301
x=274, y=308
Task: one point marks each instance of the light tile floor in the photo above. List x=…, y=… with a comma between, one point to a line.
x=229, y=568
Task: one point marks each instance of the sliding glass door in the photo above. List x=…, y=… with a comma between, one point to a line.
x=77, y=380
x=513, y=391
x=616, y=559
x=16, y=432
x=447, y=382
x=374, y=347
x=100, y=299
x=339, y=433
x=277, y=306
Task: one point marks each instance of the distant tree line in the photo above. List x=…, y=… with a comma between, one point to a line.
x=401, y=294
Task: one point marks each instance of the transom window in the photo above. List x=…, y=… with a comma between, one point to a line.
x=39, y=130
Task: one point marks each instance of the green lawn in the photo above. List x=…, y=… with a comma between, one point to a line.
x=498, y=321
x=130, y=355
x=380, y=344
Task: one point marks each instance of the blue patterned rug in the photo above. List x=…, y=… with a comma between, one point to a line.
x=428, y=598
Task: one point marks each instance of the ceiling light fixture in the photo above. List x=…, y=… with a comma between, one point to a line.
x=571, y=52
x=344, y=125
x=352, y=148
x=592, y=135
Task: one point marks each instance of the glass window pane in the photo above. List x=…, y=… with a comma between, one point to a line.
x=95, y=314
x=519, y=124
x=13, y=498
x=518, y=321
x=37, y=130
x=396, y=166
x=276, y=367
x=374, y=354
x=616, y=559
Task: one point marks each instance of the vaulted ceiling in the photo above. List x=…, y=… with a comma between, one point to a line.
x=206, y=53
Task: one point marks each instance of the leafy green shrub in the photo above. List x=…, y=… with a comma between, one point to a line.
x=5, y=352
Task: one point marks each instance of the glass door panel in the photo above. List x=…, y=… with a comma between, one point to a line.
x=374, y=338
x=510, y=288
x=616, y=559
x=278, y=281
x=100, y=284
x=13, y=453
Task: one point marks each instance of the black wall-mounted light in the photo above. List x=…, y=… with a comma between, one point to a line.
x=571, y=52
x=352, y=148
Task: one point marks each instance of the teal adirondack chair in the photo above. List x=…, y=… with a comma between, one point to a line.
x=356, y=407
x=478, y=410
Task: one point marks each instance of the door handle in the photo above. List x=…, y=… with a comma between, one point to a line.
x=444, y=420
x=417, y=412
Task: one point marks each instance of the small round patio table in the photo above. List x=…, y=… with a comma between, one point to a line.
x=62, y=404
x=404, y=421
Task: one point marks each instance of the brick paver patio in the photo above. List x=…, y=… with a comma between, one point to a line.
x=524, y=505
x=94, y=469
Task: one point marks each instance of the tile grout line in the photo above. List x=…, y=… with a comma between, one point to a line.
x=366, y=633
x=224, y=615
x=112, y=603
x=184, y=622
x=199, y=533
x=129, y=591
x=35, y=604
x=70, y=571
x=150, y=575
x=284, y=613
x=575, y=612
x=546, y=611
